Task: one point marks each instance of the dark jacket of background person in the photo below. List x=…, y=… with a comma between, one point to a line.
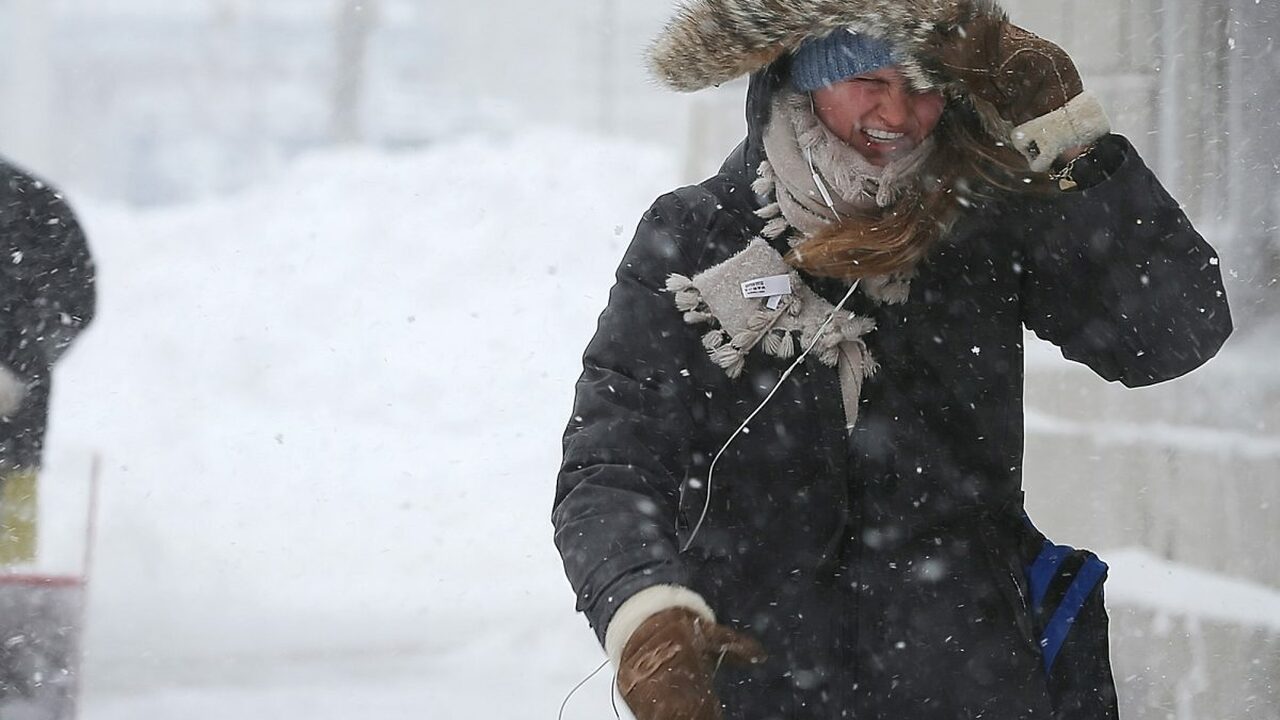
x=46, y=299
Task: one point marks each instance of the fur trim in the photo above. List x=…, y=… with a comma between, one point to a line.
x=1081, y=121
x=643, y=605
x=710, y=42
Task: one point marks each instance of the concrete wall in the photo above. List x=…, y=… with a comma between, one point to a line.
x=1188, y=468
x=1189, y=471
x=1179, y=667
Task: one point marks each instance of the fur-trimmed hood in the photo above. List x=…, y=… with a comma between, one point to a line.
x=710, y=42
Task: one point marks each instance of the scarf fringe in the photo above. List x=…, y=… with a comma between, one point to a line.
x=772, y=210
x=765, y=181
x=775, y=227
x=714, y=339
x=730, y=358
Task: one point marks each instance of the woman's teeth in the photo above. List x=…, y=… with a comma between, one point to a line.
x=882, y=135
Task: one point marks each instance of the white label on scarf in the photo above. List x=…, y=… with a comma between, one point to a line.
x=767, y=286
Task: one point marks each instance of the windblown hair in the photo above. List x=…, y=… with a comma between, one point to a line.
x=968, y=168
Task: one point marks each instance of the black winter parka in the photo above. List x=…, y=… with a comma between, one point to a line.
x=883, y=569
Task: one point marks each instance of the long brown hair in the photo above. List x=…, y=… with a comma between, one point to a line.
x=968, y=167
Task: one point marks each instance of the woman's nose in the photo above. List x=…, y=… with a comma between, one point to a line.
x=894, y=108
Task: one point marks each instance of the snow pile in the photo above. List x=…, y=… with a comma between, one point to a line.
x=330, y=408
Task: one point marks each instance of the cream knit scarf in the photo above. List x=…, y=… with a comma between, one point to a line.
x=797, y=147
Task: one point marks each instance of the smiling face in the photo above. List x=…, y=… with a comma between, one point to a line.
x=878, y=114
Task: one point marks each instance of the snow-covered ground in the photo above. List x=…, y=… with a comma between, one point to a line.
x=329, y=410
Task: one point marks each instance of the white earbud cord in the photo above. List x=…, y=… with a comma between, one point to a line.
x=706, y=505
x=822, y=187
x=813, y=172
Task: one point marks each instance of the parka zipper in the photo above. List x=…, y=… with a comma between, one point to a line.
x=838, y=562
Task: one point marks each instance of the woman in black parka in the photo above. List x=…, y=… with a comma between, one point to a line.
x=843, y=306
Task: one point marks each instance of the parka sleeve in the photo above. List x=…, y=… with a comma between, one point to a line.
x=47, y=295
x=1116, y=276
x=627, y=445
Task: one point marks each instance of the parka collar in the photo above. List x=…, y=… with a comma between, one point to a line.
x=760, y=92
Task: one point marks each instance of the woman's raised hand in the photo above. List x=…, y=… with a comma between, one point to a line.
x=1022, y=75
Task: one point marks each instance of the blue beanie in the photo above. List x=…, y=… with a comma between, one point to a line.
x=828, y=60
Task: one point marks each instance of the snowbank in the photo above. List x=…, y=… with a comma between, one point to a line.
x=330, y=407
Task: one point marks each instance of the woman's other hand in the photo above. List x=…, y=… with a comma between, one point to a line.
x=668, y=664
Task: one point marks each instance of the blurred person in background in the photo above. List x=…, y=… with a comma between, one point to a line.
x=46, y=299
x=791, y=485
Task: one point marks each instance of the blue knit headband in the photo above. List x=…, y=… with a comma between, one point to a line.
x=842, y=54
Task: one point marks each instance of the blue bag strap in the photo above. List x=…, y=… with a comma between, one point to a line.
x=1043, y=569
x=1055, y=633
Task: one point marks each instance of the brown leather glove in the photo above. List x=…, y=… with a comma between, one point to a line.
x=1021, y=74
x=668, y=664
x=1030, y=82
